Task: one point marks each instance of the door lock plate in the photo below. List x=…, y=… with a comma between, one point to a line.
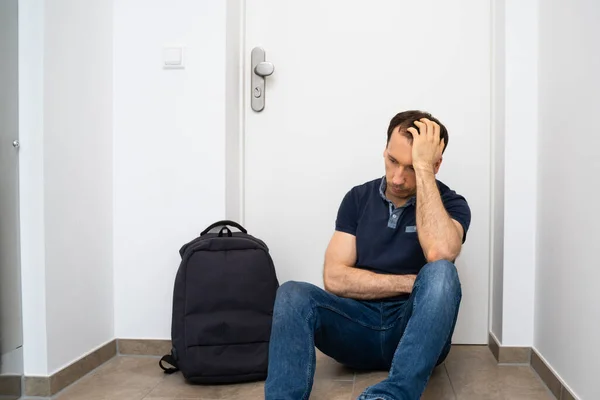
x=260, y=70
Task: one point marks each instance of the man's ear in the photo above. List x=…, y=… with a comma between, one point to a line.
x=436, y=167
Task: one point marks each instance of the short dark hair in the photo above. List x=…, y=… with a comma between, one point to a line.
x=406, y=119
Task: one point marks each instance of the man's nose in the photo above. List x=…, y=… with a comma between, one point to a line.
x=398, y=177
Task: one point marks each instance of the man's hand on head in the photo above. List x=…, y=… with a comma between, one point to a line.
x=427, y=147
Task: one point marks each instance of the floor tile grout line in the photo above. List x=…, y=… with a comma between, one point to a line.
x=161, y=380
x=139, y=356
x=450, y=380
x=147, y=394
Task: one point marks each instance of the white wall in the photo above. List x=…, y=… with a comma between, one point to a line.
x=65, y=55
x=31, y=185
x=520, y=171
x=567, y=322
x=78, y=177
x=169, y=150
x=514, y=175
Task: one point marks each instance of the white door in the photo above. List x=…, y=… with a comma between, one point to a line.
x=342, y=70
x=10, y=272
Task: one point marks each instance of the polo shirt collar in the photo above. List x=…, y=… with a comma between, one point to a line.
x=383, y=186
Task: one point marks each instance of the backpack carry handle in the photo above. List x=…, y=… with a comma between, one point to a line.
x=223, y=229
x=225, y=222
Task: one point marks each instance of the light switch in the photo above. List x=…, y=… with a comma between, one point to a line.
x=173, y=57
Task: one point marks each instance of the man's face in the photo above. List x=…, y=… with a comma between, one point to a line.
x=399, y=173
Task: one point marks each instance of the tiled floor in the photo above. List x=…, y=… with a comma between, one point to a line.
x=470, y=373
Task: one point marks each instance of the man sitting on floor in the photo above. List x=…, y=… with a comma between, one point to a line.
x=392, y=292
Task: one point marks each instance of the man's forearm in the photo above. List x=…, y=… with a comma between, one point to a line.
x=438, y=235
x=360, y=284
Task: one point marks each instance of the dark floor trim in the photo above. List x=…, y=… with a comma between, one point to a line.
x=10, y=386
x=509, y=355
x=143, y=347
x=46, y=386
x=549, y=378
x=527, y=355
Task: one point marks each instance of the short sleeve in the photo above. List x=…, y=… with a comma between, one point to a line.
x=458, y=209
x=347, y=216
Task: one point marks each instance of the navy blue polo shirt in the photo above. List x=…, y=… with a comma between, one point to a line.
x=386, y=236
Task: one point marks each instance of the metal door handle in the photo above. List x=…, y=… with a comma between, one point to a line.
x=264, y=69
x=16, y=143
x=260, y=70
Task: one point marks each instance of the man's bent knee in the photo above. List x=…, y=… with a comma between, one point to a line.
x=441, y=278
x=295, y=296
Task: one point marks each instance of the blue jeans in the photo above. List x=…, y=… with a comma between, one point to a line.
x=406, y=337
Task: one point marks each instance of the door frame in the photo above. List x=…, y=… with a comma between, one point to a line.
x=235, y=92
x=235, y=129
x=12, y=358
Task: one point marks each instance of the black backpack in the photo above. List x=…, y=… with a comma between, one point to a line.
x=222, y=308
